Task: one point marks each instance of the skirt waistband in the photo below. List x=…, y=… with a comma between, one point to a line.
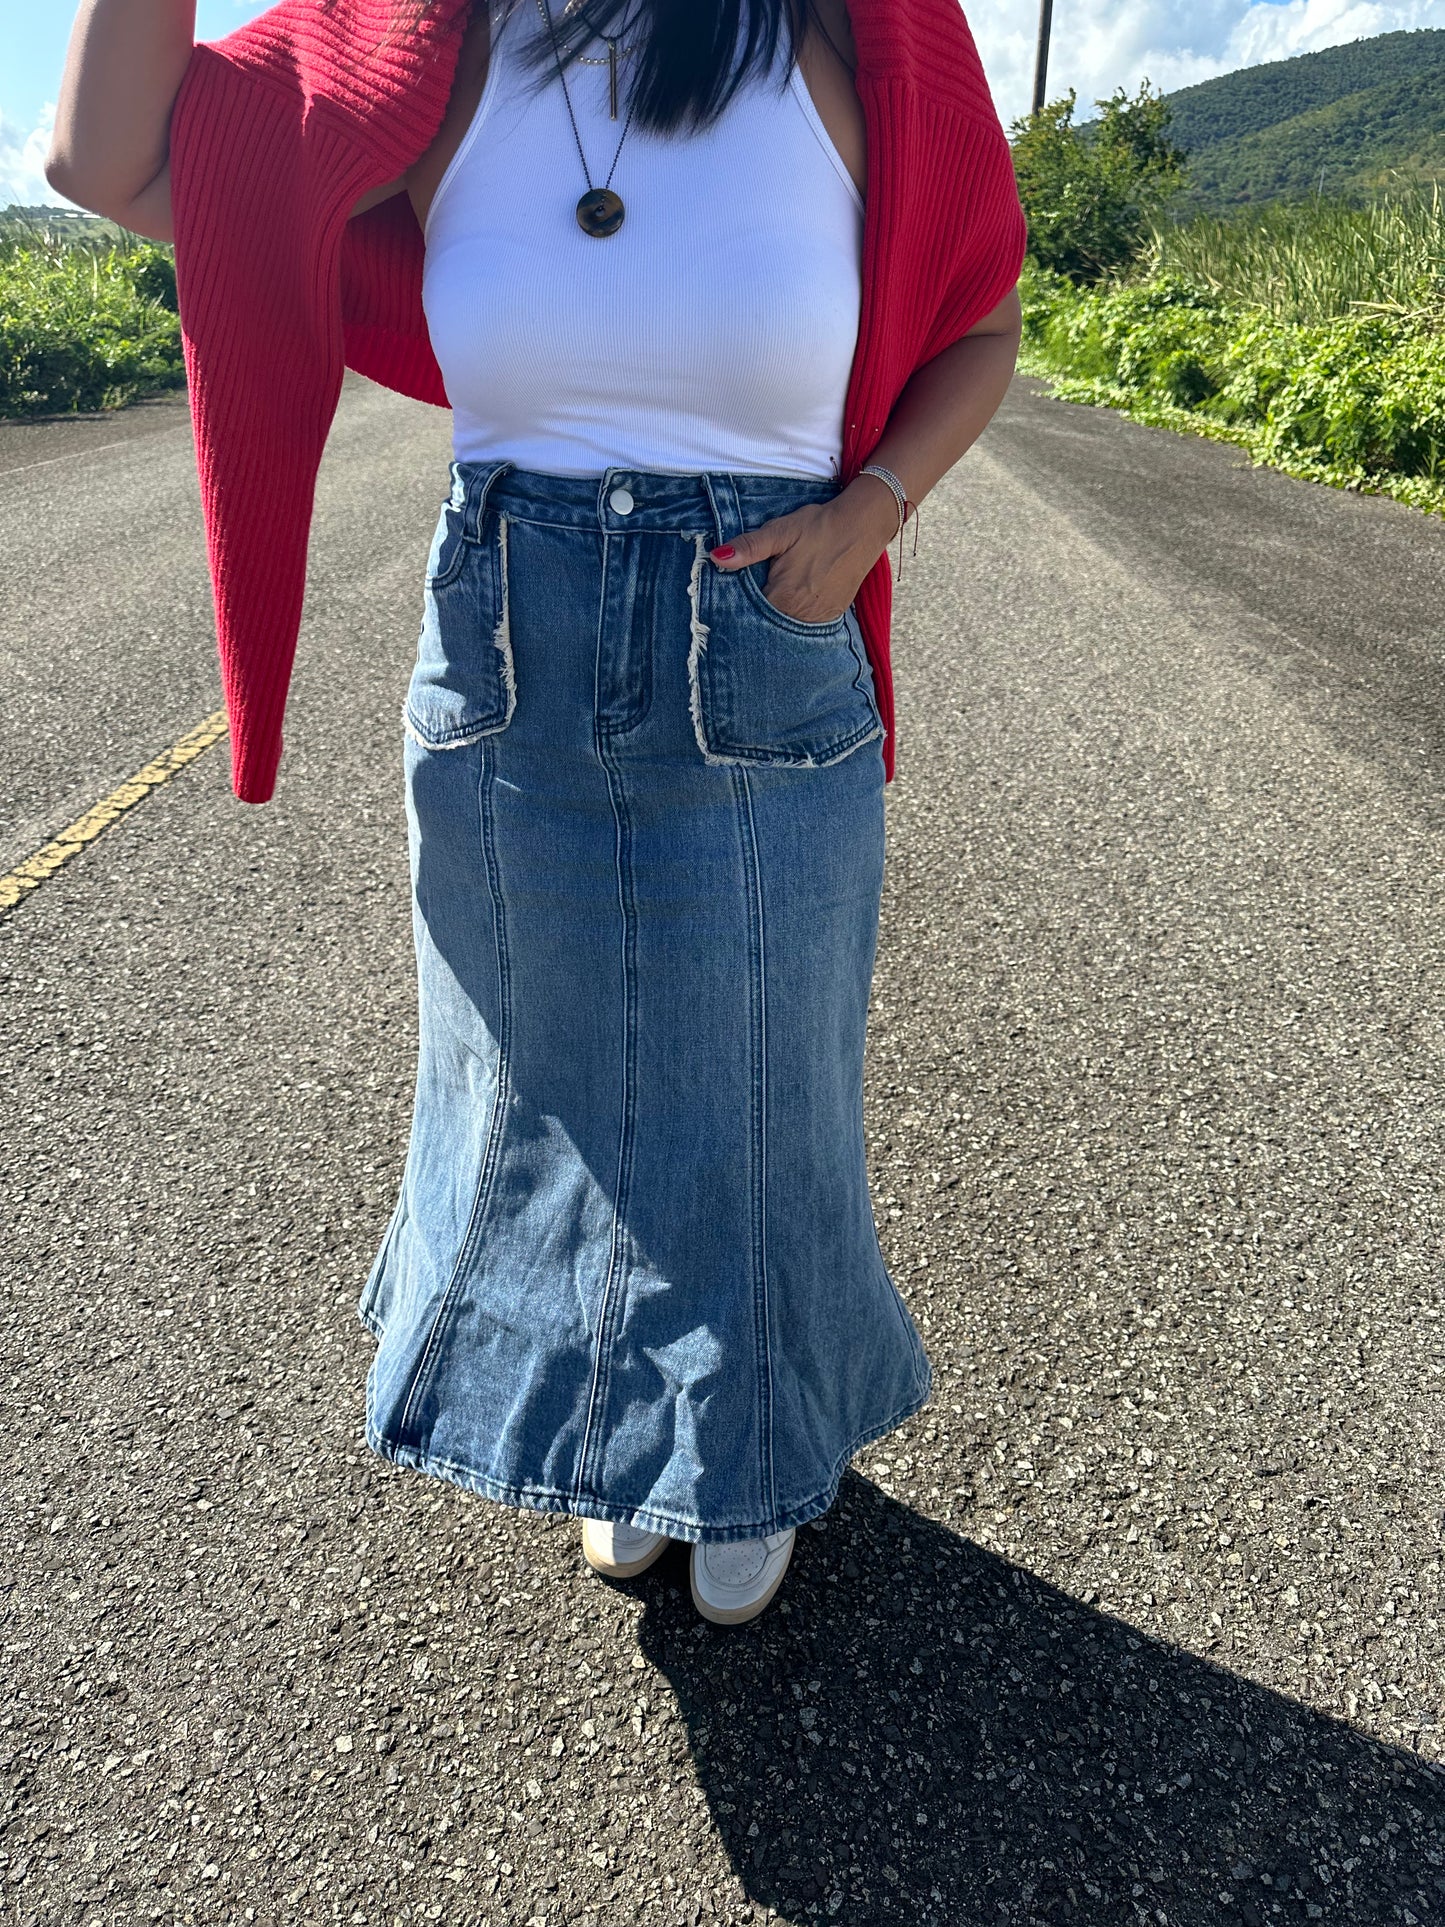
x=630, y=501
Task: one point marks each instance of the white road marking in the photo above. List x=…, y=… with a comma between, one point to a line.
x=50, y=460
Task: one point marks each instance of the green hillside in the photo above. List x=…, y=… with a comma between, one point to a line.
x=60, y=223
x=1356, y=115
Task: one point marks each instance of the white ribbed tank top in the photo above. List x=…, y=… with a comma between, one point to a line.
x=714, y=330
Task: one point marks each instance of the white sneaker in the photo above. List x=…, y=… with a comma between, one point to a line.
x=731, y=1583
x=620, y=1551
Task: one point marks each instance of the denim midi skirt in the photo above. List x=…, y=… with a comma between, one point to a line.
x=633, y=1272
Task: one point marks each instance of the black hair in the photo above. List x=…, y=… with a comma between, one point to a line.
x=693, y=55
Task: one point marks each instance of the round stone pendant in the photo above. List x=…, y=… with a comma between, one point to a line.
x=600, y=212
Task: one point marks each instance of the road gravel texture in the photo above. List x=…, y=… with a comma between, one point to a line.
x=1138, y=1622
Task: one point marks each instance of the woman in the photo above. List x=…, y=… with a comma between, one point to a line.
x=697, y=388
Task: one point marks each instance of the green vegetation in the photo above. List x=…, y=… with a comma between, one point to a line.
x=1309, y=331
x=1346, y=122
x=1092, y=192
x=1256, y=98
x=1320, y=261
x=87, y=317
x=1313, y=337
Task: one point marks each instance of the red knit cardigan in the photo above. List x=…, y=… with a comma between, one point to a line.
x=279, y=129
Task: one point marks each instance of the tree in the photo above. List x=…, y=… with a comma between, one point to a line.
x=1091, y=192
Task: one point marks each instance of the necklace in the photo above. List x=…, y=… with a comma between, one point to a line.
x=610, y=63
x=611, y=42
x=600, y=212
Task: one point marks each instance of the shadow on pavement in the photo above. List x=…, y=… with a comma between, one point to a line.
x=930, y=1735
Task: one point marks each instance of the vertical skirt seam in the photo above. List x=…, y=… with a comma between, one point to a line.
x=491, y=1155
x=758, y=1044
x=617, y=1255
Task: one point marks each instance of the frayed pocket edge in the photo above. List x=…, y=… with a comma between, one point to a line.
x=747, y=758
x=502, y=643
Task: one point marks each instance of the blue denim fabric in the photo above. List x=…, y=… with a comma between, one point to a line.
x=633, y=1272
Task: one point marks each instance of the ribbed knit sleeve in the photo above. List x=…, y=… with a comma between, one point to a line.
x=382, y=255
x=276, y=132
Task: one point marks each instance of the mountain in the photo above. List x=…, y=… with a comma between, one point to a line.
x=1351, y=117
x=62, y=222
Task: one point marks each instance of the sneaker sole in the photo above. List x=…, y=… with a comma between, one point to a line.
x=631, y=1568
x=737, y=1615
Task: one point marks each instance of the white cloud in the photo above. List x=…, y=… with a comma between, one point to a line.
x=1099, y=45
x=22, y=163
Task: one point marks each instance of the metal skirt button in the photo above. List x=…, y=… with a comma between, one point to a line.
x=621, y=501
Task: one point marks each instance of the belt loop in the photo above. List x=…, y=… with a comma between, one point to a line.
x=727, y=514
x=478, y=492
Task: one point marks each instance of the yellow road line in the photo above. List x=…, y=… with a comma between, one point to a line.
x=30, y=874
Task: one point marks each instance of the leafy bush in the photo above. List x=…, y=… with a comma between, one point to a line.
x=84, y=324
x=1091, y=192
x=155, y=278
x=1357, y=400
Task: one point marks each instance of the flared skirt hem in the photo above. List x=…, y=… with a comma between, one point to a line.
x=534, y=1498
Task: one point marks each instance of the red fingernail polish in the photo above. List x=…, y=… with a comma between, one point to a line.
x=725, y=553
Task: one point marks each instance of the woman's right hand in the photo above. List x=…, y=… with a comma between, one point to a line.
x=110, y=150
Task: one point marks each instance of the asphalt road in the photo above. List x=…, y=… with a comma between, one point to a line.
x=1139, y=1622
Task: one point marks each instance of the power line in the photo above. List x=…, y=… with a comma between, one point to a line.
x=1041, y=70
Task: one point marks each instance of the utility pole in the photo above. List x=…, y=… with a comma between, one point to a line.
x=1041, y=70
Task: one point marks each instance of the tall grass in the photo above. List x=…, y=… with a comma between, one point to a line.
x=86, y=321
x=1317, y=261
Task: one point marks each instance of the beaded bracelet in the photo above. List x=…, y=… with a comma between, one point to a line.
x=905, y=507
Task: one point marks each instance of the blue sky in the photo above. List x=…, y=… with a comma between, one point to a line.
x=1098, y=45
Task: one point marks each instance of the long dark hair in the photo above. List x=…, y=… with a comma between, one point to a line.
x=693, y=55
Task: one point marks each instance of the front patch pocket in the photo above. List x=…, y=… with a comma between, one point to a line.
x=463, y=686
x=768, y=689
